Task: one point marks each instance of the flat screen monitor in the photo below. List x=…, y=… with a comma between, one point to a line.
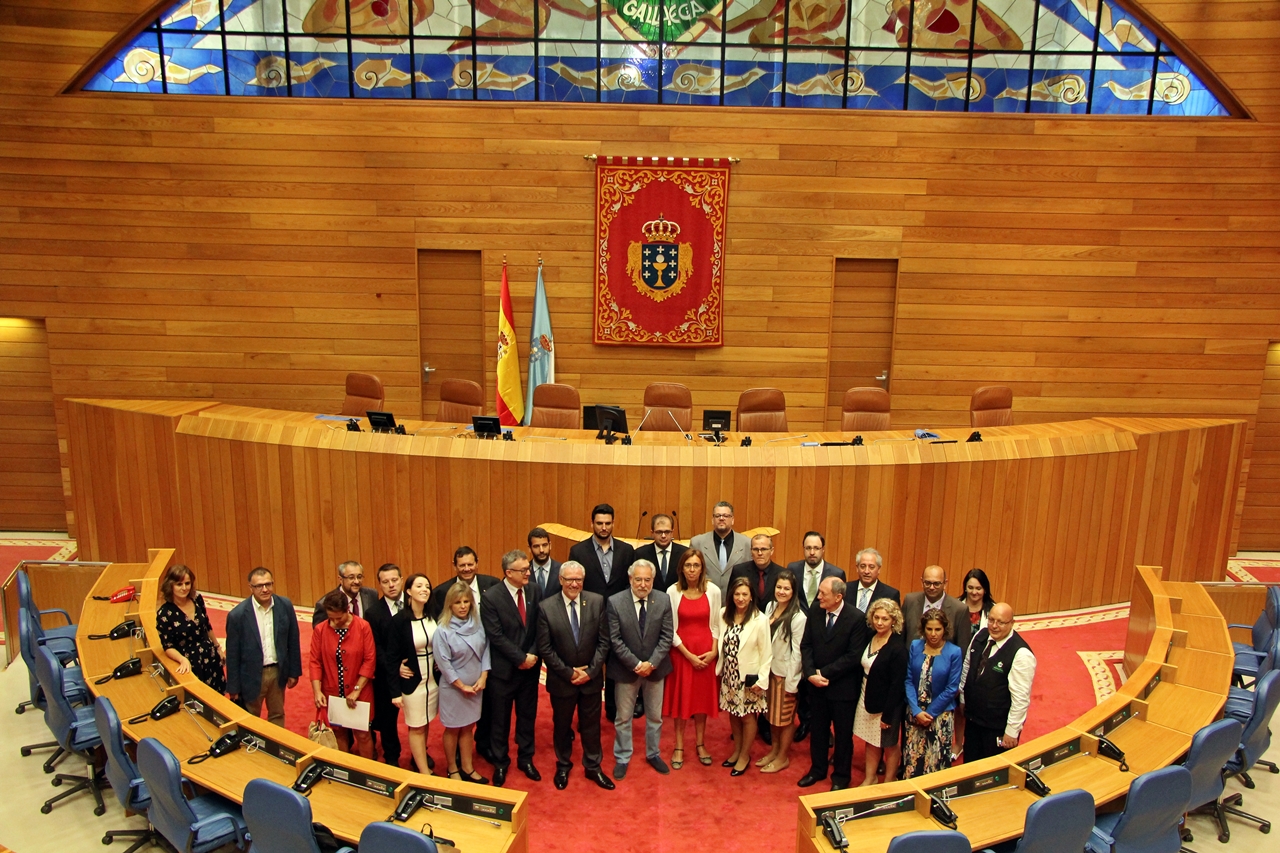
x=611, y=419
x=486, y=425
x=589, y=417
x=381, y=421
x=716, y=419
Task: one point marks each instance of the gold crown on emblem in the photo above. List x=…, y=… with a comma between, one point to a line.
x=660, y=230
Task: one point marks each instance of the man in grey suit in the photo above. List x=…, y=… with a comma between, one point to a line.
x=721, y=548
x=351, y=584
x=640, y=632
x=810, y=573
x=543, y=571
x=573, y=641
x=934, y=596
x=264, y=657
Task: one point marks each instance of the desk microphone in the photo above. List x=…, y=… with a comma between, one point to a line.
x=676, y=517
x=639, y=521
x=642, y=420
x=686, y=435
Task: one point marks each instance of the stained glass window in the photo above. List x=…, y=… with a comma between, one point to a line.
x=1038, y=56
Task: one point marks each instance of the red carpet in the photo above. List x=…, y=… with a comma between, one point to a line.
x=14, y=551
x=1254, y=571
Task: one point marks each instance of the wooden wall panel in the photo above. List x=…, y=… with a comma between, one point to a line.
x=30, y=473
x=1260, y=522
x=451, y=320
x=862, y=301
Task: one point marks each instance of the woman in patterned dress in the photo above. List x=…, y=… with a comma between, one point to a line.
x=746, y=655
x=690, y=689
x=185, y=633
x=786, y=626
x=932, y=690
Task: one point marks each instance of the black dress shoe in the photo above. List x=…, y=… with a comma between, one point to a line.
x=728, y=762
x=809, y=780
x=562, y=779
x=600, y=779
x=736, y=772
x=838, y=786
x=499, y=776
x=529, y=770
x=802, y=732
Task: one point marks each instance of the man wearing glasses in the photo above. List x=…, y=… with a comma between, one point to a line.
x=934, y=597
x=995, y=687
x=510, y=619
x=264, y=657
x=351, y=584
x=721, y=549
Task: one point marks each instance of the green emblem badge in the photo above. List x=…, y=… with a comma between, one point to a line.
x=680, y=20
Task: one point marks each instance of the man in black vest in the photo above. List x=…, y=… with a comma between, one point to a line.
x=995, y=686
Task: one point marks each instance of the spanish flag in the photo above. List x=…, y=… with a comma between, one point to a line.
x=510, y=400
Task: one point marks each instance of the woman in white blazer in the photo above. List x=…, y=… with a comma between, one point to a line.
x=690, y=689
x=746, y=655
x=786, y=624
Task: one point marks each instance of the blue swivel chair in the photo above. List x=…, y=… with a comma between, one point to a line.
x=928, y=841
x=72, y=677
x=1249, y=655
x=1240, y=699
x=75, y=729
x=279, y=819
x=124, y=777
x=392, y=838
x=1211, y=748
x=198, y=825
x=1059, y=823
x=28, y=603
x=1254, y=741
x=1151, y=817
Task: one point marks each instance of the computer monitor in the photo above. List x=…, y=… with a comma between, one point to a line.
x=381, y=421
x=589, y=417
x=486, y=426
x=716, y=420
x=611, y=419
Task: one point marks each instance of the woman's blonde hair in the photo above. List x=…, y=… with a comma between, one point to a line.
x=457, y=591
x=887, y=605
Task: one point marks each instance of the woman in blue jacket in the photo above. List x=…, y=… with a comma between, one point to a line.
x=933, y=687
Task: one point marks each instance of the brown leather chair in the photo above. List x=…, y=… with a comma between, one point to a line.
x=556, y=406
x=762, y=410
x=460, y=399
x=864, y=410
x=668, y=407
x=991, y=406
x=364, y=394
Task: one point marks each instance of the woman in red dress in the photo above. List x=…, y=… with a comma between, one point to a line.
x=691, y=692
x=343, y=660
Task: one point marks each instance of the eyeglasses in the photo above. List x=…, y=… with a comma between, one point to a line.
x=867, y=565
x=523, y=571
x=932, y=584
x=1000, y=622
x=571, y=581
x=353, y=577
x=761, y=550
x=722, y=515
x=264, y=585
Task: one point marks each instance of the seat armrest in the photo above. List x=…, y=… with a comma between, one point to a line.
x=1096, y=834
x=57, y=610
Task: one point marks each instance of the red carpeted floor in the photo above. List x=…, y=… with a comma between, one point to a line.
x=1253, y=571
x=14, y=551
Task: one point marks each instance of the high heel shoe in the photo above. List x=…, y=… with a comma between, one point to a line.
x=728, y=762
x=703, y=755
x=736, y=772
x=677, y=764
x=473, y=777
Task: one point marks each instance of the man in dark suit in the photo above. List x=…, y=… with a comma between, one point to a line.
x=761, y=570
x=934, y=581
x=510, y=618
x=663, y=551
x=606, y=561
x=543, y=571
x=351, y=584
x=264, y=657
x=573, y=641
x=386, y=716
x=640, y=632
x=869, y=587
x=831, y=655
x=810, y=572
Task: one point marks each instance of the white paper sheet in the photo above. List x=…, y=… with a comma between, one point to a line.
x=348, y=718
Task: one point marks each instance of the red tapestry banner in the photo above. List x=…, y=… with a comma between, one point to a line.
x=660, y=250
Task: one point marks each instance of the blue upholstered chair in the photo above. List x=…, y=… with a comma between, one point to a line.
x=393, y=838
x=928, y=841
x=74, y=728
x=1151, y=817
x=28, y=603
x=72, y=678
x=1059, y=823
x=1263, y=635
x=122, y=773
x=198, y=825
x=1240, y=699
x=1254, y=741
x=1211, y=748
x=279, y=819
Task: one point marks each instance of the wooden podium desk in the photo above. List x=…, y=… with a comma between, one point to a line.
x=1151, y=719
x=1057, y=514
x=274, y=753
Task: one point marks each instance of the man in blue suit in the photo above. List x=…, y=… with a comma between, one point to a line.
x=264, y=657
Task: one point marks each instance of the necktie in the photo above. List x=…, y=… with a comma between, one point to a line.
x=542, y=579
x=760, y=586
x=663, y=560
x=810, y=588
x=355, y=604
x=831, y=621
x=573, y=619
x=520, y=605
x=863, y=595
x=642, y=617
x=986, y=653
x=724, y=553
x=395, y=607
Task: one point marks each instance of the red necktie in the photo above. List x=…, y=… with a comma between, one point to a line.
x=355, y=604
x=520, y=605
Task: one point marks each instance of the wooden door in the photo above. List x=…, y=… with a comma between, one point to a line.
x=450, y=320
x=1260, y=524
x=861, y=328
x=30, y=472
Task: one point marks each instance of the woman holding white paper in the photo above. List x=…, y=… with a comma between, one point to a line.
x=343, y=660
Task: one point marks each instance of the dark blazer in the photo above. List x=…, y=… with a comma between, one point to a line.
x=561, y=654
x=884, y=682
x=828, y=571
x=957, y=614
x=483, y=582
x=400, y=649
x=879, y=591
x=627, y=648
x=368, y=598
x=623, y=556
x=748, y=570
x=837, y=654
x=244, y=647
x=650, y=552
x=509, y=640
x=553, y=578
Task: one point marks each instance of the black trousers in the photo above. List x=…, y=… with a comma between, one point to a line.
x=386, y=722
x=588, y=705
x=520, y=692
x=981, y=742
x=823, y=713
x=802, y=700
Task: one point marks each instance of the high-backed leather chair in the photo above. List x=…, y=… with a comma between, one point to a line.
x=864, y=410
x=991, y=406
x=460, y=400
x=557, y=406
x=364, y=394
x=668, y=407
x=762, y=410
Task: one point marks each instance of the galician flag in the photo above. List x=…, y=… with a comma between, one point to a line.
x=542, y=346
x=510, y=400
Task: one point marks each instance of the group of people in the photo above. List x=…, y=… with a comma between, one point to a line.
x=664, y=631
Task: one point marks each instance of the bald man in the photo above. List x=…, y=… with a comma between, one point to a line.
x=933, y=583
x=995, y=686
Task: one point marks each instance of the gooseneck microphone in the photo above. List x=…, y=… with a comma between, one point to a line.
x=676, y=517
x=640, y=520
x=642, y=420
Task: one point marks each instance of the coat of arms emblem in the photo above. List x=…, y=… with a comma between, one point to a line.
x=659, y=266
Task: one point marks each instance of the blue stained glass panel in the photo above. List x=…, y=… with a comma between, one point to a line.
x=136, y=68
x=1180, y=92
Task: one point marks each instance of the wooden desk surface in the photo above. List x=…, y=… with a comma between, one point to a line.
x=1202, y=669
x=1146, y=746
x=1204, y=632
x=872, y=835
x=992, y=816
x=1099, y=776
x=1181, y=708
x=1194, y=598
